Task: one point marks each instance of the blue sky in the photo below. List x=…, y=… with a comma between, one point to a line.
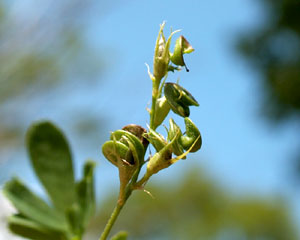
x=240, y=149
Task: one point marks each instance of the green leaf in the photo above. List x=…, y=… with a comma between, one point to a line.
x=120, y=236
x=32, y=230
x=85, y=194
x=74, y=218
x=32, y=206
x=52, y=162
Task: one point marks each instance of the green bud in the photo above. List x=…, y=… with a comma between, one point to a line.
x=162, y=109
x=156, y=139
x=161, y=55
x=179, y=99
x=192, y=134
x=162, y=158
x=182, y=46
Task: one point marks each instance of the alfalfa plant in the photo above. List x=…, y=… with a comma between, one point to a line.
x=72, y=204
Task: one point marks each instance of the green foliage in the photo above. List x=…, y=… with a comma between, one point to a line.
x=273, y=50
x=73, y=203
x=50, y=156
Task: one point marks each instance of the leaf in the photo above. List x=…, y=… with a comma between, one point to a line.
x=51, y=158
x=32, y=206
x=32, y=230
x=74, y=219
x=120, y=236
x=86, y=195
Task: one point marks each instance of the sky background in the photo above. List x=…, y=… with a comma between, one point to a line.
x=241, y=150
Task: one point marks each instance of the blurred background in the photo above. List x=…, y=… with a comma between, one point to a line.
x=81, y=65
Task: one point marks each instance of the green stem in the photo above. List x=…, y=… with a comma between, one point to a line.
x=120, y=204
x=143, y=181
x=130, y=187
x=111, y=221
x=155, y=94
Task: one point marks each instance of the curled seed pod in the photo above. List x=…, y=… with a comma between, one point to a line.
x=125, y=151
x=182, y=46
x=192, y=134
x=117, y=152
x=179, y=99
x=127, y=138
x=138, y=131
x=162, y=109
x=175, y=132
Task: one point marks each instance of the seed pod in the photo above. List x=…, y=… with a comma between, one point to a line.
x=127, y=138
x=138, y=131
x=182, y=46
x=192, y=134
x=126, y=152
x=179, y=99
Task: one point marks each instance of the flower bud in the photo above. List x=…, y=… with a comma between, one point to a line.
x=161, y=55
x=182, y=46
x=179, y=99
x=174, y=131
x=162, y=109
x=156, y=139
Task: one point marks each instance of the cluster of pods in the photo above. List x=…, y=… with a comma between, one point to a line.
x=126, y=148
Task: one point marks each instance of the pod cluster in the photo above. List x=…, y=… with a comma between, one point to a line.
x=127, y=147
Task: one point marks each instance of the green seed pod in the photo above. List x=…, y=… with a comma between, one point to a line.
x=125, y=151
x=173, y=132
x=182, y=46
x=129, y=139
x=179, y=99
x=162, y=110
x=116, y=151
x=192, y=134
x=138, y=131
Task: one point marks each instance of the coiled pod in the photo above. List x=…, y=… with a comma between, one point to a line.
x=125, y=151
x=179, y=99
x=186, y=141
x=192, y=137
x=124, y=147
x=182, y=46
x=137, y=131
